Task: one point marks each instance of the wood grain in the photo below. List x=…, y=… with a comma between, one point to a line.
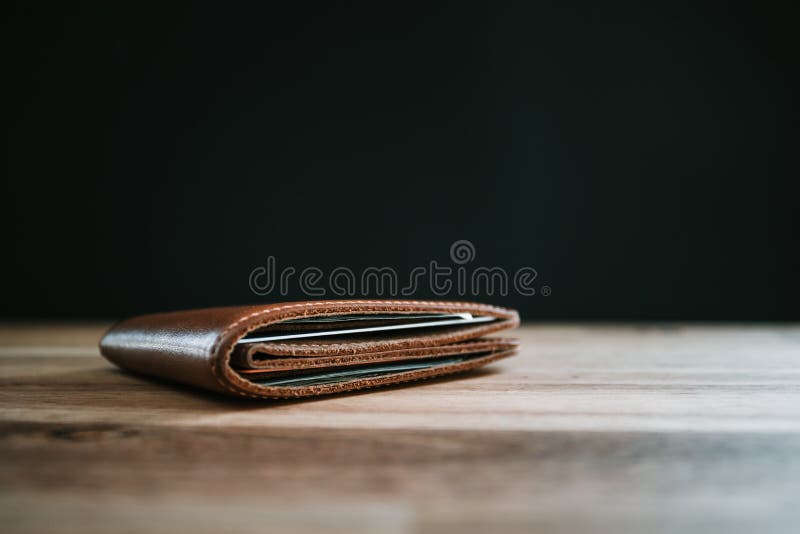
x=603, y=428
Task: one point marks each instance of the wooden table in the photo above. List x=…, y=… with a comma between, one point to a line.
x=661, y=428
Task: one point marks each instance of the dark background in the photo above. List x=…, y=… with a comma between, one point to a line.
x=641, y=158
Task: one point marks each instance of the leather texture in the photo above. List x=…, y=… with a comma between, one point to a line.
x=198, y=347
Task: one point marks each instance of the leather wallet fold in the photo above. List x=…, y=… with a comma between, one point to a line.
x=300, y=349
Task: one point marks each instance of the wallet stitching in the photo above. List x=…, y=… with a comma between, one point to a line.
x=272, y=312
x=492, y=345
x=468, y=344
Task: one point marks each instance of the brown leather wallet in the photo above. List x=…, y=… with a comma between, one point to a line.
x=300, y=349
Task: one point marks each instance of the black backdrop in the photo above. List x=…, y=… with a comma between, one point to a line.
x=639, y=158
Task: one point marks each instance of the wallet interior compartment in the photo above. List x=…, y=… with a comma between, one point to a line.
x=327, y=326
x=338, y=374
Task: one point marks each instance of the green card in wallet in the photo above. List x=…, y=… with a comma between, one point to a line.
x=300, y=349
